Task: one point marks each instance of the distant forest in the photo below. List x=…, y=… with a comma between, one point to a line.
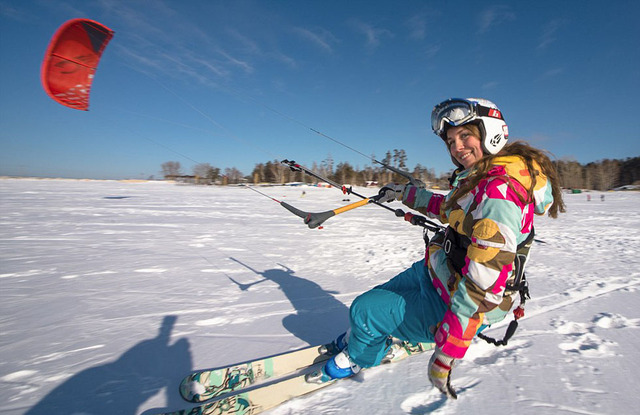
x=599, y=175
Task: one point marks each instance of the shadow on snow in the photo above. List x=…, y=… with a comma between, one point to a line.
x=120, y=387
x=319, y=316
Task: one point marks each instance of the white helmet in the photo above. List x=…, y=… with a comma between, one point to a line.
x=481, y=112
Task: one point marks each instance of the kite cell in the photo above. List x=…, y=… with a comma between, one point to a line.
x=71, y=61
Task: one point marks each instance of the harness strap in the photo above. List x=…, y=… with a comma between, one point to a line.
x=455, y=246
x=522, y=255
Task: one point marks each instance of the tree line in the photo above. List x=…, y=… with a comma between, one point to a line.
x=600, y=175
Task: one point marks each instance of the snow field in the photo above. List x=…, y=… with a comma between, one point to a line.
x=112, y=291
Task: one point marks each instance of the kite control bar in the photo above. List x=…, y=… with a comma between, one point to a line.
x=314, y=220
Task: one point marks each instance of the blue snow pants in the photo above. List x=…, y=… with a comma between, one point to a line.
x=405, y=307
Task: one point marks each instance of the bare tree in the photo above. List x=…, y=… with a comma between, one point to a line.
x=602, y=175
x=386, y=175
x=629, y=171
x=275, y=172
x=205, y=173
x=611, y=175
x=258, y=173
x=572, y=174
x=171, y=168
x=345, y=173
x=326, y=167
x=234, y=175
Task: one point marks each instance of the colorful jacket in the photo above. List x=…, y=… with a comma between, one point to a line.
x=496, y=221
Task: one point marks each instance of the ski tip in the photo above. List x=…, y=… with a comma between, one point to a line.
x=191, y=391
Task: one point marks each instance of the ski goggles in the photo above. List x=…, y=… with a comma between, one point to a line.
x=457, y=111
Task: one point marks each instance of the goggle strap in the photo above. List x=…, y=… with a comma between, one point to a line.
x=488, y=112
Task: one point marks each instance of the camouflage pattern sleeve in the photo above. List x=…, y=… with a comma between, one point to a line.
x=424, y=201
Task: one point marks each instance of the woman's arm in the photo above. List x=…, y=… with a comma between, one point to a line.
x=424, y=201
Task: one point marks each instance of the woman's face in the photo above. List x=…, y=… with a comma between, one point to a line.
x=465, y=147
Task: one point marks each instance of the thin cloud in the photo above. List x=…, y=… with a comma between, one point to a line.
x=432, y=51
x=251, y=48
x=320, y=37
x=493, y=16
x=490, y=85
x=373, y=35
x=419, y=24
x=248, y=44
x=552, y=73
x=281, y=57
x=190, y=53
x=11, y=12
x=233, y=61
x=549, y=33
x=191, y=67
x=143, y=62
x=161, y=63
x=417, y=27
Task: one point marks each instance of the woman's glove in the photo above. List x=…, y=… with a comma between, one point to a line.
x=391, y=192
x=440, y=367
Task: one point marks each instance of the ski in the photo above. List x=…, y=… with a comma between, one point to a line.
x=204, y=385
x=262, y=398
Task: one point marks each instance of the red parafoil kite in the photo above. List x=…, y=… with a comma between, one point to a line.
x=71, y=61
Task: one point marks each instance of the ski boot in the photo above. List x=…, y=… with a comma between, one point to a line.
x=339, y=366
x=336, y=346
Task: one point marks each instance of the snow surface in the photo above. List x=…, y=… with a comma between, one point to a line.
x=112, y=291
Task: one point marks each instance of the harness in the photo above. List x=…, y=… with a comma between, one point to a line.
x=455, y=247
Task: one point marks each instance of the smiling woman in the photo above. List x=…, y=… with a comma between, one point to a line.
x=474, y=271
x=465, y=145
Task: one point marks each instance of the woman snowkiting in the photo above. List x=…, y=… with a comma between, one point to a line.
x=469, y=277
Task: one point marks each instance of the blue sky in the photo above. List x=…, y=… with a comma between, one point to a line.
x=235, y=83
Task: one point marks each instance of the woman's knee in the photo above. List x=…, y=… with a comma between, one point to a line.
x=370, y=301
x=377, y=310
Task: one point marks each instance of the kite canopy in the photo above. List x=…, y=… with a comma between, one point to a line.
x=71, y=61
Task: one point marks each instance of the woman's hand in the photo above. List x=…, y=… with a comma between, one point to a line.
x=391, y=192
x=440, y=367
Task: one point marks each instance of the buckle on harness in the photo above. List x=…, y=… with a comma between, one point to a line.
x=447, y=246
